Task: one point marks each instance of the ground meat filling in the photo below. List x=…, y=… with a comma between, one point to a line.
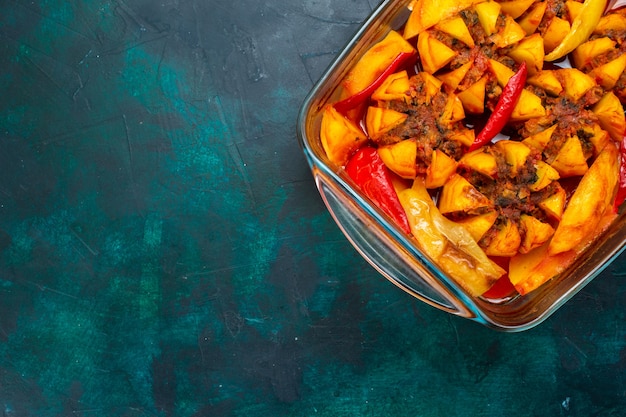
x=574, y=118
x=510, y=192
x=423, y=125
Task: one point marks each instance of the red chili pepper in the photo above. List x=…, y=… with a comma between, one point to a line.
x=503, y=287
x=504, y=108
x=374, y=178
x=621, y=187
x=351, y=102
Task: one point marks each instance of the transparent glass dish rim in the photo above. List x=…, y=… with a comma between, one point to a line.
x=392, y=253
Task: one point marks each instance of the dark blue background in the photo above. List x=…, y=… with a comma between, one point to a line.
x=163, y=250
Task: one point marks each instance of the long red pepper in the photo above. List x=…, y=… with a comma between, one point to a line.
x=354, y=100
x=373, y=177
x=621, y=187
x=504, y=108
x=503, y=287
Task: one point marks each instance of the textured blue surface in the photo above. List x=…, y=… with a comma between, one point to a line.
x=163, y=250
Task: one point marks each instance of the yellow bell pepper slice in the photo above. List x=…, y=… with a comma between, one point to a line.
x=582, y=27
x=447, y=243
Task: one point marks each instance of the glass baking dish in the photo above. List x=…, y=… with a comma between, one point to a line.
x=393, y=253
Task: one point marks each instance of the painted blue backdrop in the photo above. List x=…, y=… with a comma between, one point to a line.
x=164, y=252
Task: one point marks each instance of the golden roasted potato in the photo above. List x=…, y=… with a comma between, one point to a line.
x=440, y=169
x=607, y=75
x=575, y=82
x=434, y=54
x=459, y=195
x=613, y=22
x=546, y=175
x=528, y=271
x=515, y=154
x=570, y=160
x=395, y=87
x=401, y=158
x=547, y=81
x=591, y=199
x=480, y=161
x=427, y=13
x=510, y=34
x=586, y=52
x=506, y=240
x=515, y=8
x=473, y=97
x=380, y=120
x=530, y=51
x=554, y=204
x=531, y=20
x=456, y=27
x=453, y=111
x=488, y=13
x=536, y=233
x=541, y=139
x=453, y=78
x=478, y=225
x=339, y=136
x=611, y=115
x=555, y=33
x=374, y=62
